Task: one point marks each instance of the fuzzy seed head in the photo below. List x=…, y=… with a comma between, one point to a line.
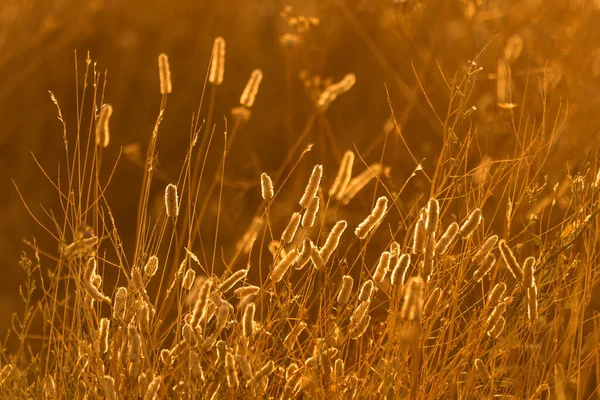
x=312, y=187
x=412, y=307
x=188, y=279
x=249, y=94
x=485, y=268
x=230, y=282
x=333, y=239
x=103, y=332
x=266, y=186
x=366, y=291
x=485, y=249
x=482, y=371
x=377, y=214
x=383, y=266
x=217, y=62
x=399, y=272
x=433, y=216
x=447, y=239
x=102, y=126
x=532, y=302
x=248, y=319
x=343, y=177
x=164, y=73
x=171, y=201
x=528, y=271
x=419, y=236
x=471, y=223
x=510, y=260
x=151, y=267
x=310, y=215
x=345, y=289
x=109, y=387
x=497, y=329
x=232, y=379
x=432, y=302
x=496, y=293
x=290, y=230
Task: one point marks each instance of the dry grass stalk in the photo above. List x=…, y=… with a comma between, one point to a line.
x=369, y=223
x=164, y=73
x=217, y=62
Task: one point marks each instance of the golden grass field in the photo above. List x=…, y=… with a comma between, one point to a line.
x=375, y=199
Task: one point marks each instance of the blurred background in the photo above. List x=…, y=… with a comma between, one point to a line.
x=386, y=43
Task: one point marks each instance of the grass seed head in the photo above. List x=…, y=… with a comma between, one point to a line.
x=471, y=223
x=250, y=91
x=266, y=187
x=171, y=201
x=164, y=73
x=217, y=62
x=312, y=187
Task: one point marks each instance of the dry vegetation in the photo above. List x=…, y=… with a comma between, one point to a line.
x=465, y=268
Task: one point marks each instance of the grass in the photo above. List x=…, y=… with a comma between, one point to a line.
x=185, y=310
